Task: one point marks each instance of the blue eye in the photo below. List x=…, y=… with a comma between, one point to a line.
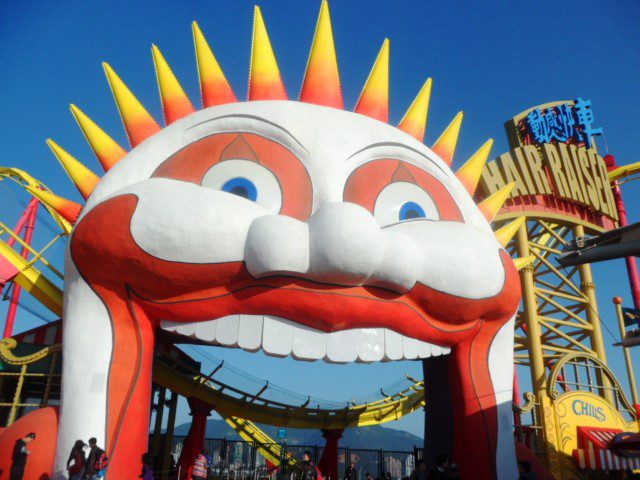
x=411, y=210
x=241, y=187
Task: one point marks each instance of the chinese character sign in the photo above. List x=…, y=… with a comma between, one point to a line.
x=564, y=123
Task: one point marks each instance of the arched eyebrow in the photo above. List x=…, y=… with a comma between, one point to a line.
x=397, y=145
x=256, y=118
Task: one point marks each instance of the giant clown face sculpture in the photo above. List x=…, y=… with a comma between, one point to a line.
x=293, y=227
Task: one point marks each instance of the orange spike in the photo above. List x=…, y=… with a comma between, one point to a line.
x=490, y=206
x=321, y=84
x=265, y=82
x=105, y=148
x=445, y=146
x=65, y=208
x=83, y=178
x=214, y=87
x=175, y=102
x=414, y=121
x=374, y=99
x=469, y=173
x=137, y=121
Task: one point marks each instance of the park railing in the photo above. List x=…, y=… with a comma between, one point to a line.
x=240, y=460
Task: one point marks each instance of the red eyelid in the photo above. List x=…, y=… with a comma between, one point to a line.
x=366, y=182
x=192, y=163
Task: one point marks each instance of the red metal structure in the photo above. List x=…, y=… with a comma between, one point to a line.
x=25, y=226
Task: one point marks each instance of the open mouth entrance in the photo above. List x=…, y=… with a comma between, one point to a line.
x=280, y=337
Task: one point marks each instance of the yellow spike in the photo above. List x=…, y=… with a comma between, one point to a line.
x=321, y=84
x=374, y=99
x=175, y=102
x=491, y=205
x=214, y=87
x=445, y=146
x=83, y=178
x=506, y=233
x=138, y=123
x=469, y=173
x=414, y=121
x=105, y=148
x=67, y=209
x=265, y=82
x=523, y=262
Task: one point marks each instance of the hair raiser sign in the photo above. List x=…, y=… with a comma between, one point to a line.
x=554, y=175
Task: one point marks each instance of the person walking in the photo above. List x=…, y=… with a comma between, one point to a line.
x=19, y=456
x=352, y=472
x=96, y=461
x=420, y=472
x=147, y=469
x=309, y=470
x=439, y=472
x=77, y=461
x=200, y=466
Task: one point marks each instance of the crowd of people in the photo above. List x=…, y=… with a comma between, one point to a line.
x=89, y=462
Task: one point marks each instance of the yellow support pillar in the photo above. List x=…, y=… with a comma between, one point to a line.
x=534, y=333
x=627, y=358
x=588, y=288
x=168, y=439
x=16, y=398
x=546, y=415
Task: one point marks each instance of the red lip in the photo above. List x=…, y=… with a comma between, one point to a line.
x=325, y=307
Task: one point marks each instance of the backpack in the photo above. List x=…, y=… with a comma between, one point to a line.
x=102, y=461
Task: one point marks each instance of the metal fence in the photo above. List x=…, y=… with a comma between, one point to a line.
x=240, y=460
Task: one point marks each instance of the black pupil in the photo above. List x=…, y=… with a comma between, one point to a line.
x=412, y=214
x=240, y=191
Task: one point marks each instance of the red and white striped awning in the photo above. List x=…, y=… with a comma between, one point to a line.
x=48, y=334
x=594, y=452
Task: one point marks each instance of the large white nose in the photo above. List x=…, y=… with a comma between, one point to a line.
x=341, y=244
x=346, y=244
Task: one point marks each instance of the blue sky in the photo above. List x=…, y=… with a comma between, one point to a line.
x=490, y=61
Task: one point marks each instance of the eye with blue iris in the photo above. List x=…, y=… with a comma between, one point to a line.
x=246, y=179
x=242, y=187
x=410, y=210
x=404, y=202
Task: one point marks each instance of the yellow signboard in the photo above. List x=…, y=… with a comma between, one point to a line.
x=566, y=172
x=584, y=409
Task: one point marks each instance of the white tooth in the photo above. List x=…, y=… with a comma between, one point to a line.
x=308, y=343
x=187, y=329
x=227, y=330
x=370, y=344
x=250, y=332
x=446, y=350
x=410, y=348
x=277, y=336
x=426, y=350
x=342, y=346
x=436, y=350
x=168, y=325
x=206, y=331
x=392, y=345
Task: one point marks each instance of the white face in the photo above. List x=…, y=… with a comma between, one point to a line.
x=325, y=199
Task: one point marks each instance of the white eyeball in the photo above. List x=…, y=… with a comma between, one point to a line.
x=246, y=179
x=401, y=201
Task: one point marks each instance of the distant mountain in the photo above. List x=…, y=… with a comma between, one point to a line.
x=375, y=437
